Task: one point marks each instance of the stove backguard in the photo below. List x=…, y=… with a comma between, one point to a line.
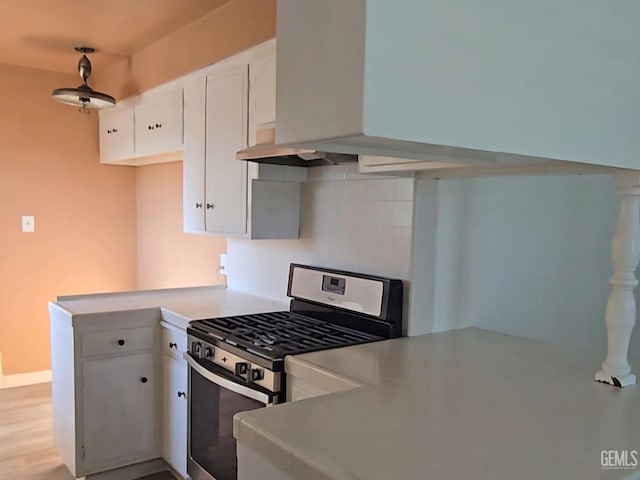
x=368, y=303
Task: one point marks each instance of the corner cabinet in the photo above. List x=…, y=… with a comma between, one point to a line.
x=105, y=390
x=222, y=195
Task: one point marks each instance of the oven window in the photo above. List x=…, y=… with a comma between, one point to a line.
x=213, y=446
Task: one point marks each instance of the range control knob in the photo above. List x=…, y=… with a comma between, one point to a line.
x=196, y=349
x=208, y=352
x=256, y=374
x=242, y=368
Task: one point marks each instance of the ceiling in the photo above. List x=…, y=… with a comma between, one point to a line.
x=42, y=33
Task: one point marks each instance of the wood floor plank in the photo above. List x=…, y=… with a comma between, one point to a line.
x=26, y=436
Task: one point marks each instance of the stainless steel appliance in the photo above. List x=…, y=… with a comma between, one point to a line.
x=237, y=363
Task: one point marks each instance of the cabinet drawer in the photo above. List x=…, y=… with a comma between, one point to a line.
x=117, y=341
x=174, y=342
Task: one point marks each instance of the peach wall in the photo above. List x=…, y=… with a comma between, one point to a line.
x=85, y=213
x=87, y=237
x=168, y=257
x=232, y=28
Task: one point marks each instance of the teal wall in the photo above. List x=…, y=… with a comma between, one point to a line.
x=531, y=259
x=556, y=79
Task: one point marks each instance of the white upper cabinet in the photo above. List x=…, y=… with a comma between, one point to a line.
x=158, y=123
x=193, y=161
x=535, y=81
x=226, y=133
x=146, y=129
x=116, y=134
x=223, y=195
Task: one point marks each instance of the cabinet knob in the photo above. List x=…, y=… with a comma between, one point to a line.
x=150, y=127
x=121, y=342
x=144, y=379
x=182, y=394
x=158, y=125
x=109, y=132
x=209, y=206
x=115, y=130
x=198, y=205
x=173, y=345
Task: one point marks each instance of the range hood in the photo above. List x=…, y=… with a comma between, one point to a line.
x=267, y=151
x=467, y=80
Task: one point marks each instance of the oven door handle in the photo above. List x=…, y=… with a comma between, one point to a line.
x=225, y=382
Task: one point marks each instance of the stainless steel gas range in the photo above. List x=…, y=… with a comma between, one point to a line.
x=237, y=363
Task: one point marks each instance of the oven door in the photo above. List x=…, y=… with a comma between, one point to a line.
x=215, y=396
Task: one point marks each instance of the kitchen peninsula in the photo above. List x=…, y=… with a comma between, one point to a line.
x=461, y=404
x=119, y=378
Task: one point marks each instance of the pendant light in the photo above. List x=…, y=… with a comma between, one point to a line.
x=84, y=96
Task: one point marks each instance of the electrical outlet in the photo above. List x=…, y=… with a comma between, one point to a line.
x=223, y=263
x=28, y=223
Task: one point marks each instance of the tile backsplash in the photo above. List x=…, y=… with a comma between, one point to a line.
x=348, y=221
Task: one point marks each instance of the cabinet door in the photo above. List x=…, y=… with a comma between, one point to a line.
x=116, y=134
x=158, y=123
x=118, y=411
x=193, y=177
x=262, y=95
x=226, y=133
x=175, y=414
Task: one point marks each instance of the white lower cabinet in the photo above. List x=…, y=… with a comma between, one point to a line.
x=119, y=411
x=174, y=418
x=106, y=390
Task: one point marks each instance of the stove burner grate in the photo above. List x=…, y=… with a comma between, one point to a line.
x=276, y=334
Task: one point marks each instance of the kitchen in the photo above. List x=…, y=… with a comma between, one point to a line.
x=536, y=266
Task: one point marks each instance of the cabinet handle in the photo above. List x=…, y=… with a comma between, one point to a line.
x=144, y=379
x=209, y=206
x=182, y=394
x=121, y=342
x=198, y=205
x=173, y=345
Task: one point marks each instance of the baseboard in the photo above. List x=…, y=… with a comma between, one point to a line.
x=131, y=472
x=24, y=379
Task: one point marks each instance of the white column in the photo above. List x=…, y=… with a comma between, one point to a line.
x=620, y=315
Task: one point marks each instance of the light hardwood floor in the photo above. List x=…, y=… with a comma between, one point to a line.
x=26, y=437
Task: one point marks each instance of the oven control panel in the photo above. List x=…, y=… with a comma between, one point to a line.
x=356, y=293
x=235, y=364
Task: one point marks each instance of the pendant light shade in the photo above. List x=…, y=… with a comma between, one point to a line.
x=84, y=96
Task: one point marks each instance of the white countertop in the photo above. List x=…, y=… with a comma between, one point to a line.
x=462, y=404
x=178, y=306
